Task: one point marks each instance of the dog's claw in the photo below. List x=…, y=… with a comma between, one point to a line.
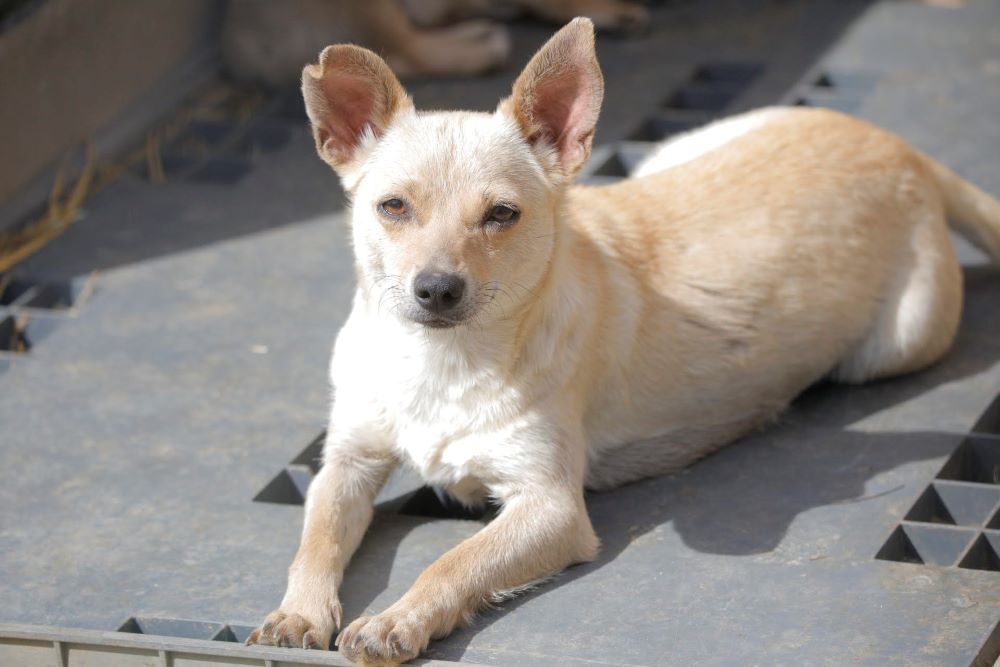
x=386, y=639
x=309, y=641
x=290, y=630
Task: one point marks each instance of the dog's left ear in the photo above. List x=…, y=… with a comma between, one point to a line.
x=557, y=98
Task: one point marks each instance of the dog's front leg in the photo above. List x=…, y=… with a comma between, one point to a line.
x=338, y=511
x=542, y=528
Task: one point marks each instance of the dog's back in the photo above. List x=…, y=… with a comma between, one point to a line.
x=770, y=250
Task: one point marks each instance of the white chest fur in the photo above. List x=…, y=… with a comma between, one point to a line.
x=440, y=399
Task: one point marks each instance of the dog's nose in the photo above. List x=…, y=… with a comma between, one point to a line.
x=438, y=292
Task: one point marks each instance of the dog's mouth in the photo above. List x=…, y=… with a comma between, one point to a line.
x=439, y=323
x=429, y=320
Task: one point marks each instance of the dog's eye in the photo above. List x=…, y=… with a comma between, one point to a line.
x=501, y=214
x=394, y=208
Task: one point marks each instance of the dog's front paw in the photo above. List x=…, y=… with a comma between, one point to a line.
x=297, y=630
x=387, y=639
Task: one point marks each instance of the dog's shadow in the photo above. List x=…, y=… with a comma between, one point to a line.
x=742, y=500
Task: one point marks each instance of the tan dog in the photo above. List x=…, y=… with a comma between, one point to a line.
x=518, y=338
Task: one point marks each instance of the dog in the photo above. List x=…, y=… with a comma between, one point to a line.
x=266, y=41
x=517, y=338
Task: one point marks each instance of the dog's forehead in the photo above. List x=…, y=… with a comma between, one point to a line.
x=456, y=149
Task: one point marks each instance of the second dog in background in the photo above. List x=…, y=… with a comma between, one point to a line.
x=266, y=41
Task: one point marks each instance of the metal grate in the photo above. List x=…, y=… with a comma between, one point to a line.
x=174, y=627
x=709, y=92
x=290, y=485
x=956, y=521
x=836, y=89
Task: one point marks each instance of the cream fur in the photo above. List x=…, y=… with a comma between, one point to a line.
x=610, y=333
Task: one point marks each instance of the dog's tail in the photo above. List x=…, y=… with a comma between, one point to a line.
x=974, y=213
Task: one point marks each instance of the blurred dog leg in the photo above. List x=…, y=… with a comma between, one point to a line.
x=437, y=13
x=626, y=18
x=471, y=47
x=268, y=41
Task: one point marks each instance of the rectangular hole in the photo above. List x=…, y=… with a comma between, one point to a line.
x=975, y=460
x=710, y=98
x=172, y=627
x=666, y=123
x=732, y=73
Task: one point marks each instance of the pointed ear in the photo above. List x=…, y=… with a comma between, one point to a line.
x=557, y=98
x=351, y=97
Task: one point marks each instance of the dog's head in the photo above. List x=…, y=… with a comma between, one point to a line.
x=455, y=214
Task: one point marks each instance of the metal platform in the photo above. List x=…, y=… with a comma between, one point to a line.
x=148, y=407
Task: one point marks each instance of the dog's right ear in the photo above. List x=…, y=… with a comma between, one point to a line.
x=351, y=97
x=557, y=98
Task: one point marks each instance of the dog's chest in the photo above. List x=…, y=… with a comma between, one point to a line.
x=451, y=433
x=449, y=414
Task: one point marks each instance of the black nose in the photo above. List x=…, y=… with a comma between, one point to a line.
x=438, y=292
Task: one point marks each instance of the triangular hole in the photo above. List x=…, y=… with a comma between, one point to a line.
x=929, y=508
x=982, y=556
x=899, y=548
x=282, y=489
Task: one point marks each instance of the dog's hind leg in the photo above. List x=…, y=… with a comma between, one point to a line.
x=917, y=319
